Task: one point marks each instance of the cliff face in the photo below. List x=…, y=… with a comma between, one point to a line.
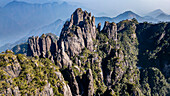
x=154, y=46
x=77, y=34
x=91, y=61
x=21, y=75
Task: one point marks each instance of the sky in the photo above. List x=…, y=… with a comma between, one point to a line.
x=113, y=7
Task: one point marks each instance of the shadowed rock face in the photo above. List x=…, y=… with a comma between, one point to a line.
x=77, y=34
x=96, y=61
x=111, y=30
x=45, y=47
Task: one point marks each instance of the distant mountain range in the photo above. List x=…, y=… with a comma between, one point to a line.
x=154, y=17
x=155, y=13
x=121, y=59
x=18, y=18
x=54, y=28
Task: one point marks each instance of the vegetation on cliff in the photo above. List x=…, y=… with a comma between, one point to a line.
x=123, y=59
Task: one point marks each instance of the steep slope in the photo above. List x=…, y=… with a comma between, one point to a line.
x=21, y=75
x=115, y=44
x=154, y=46
x=154, y=53
x=101, y=62
x=81, y=48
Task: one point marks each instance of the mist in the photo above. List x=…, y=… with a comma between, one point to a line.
x=110, y=8
x=114, y=7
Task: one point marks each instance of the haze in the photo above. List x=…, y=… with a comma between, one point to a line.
x=18, y=21
x=115, y=7
x=112, y=7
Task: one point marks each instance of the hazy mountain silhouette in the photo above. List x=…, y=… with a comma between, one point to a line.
x=155, y=13
x=154, y=17
x=123, y=16
x=127, y=15
x=19, y=18
x=54, y=28
x=163, y=17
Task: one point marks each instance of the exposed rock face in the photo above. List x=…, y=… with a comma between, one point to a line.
x=32, y=79
x=99, y=27
x=111, y=30
x=48, y=91
x=12, y=91
x=13, y=69
x=90, y=83
x=33, y=49
x=71, y=78
x=95, y=61
x=67, y=90
x=77, y=34
x=45, y=46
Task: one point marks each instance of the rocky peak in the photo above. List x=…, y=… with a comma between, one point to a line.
x=44, y=46
x=80, y=16
x=93, y=63
x=111, y=30
x=77, y=34
x=99, y=27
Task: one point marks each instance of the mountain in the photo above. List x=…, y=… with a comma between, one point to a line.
x=22, y=48
x=123, y=16
x=127, y=58
x=155, y=13
x=18, y=18
x=4, y=2
x=127, y=15
x=52, y=80
x=54, y=28
x=154, y=17
x=11, y=45
x=102, y=20
x=163, y=17
x=151, y=19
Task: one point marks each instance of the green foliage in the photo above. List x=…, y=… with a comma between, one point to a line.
x=33, y=77
x=153, y=82
x=113, y=64
x=128, y=43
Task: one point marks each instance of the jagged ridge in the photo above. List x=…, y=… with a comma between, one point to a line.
x=97, y=61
